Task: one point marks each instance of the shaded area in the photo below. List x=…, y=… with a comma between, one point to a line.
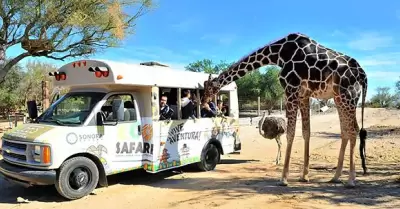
x=233, y=188
x=245, y=188
x=327, y=135
x=367, y=192
x=375, y=131
x=235, y=161
x=10, y=192
x=378, y=131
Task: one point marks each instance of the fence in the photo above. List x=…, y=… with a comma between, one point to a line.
x=251, y=109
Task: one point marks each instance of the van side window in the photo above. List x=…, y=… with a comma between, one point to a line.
x=223, y=103
x=188, y=102
x=129, y=108
x=209, y=110
x=171, y=97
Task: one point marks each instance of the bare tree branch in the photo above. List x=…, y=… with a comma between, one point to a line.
x=7, y=67
x=60, y=29
x=68, y=55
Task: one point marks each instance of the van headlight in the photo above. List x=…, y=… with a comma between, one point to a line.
x=41, y=154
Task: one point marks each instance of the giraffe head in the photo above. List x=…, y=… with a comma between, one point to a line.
x=211, y=88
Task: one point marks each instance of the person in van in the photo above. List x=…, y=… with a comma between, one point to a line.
x=220, y=107
x=209, y=110
x=165, y=111
x=187, y=105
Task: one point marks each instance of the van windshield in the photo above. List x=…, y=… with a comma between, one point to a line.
x=71, y=109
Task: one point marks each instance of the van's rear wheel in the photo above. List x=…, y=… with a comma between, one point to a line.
x=77, y=177
x=209, y=158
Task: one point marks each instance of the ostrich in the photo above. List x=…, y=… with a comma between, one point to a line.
x=273, y=128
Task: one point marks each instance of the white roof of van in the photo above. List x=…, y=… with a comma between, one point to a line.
x=78, y=74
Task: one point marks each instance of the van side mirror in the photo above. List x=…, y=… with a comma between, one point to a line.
x=32, y=109
x=99, y=119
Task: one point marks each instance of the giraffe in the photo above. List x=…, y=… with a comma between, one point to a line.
x=308, y=69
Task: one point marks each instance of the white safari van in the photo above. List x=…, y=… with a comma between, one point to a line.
x=109, y=122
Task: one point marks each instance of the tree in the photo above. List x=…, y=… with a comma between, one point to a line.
x=249, y=86
x=64, y=29
x=383, y=98
x=36, y=72
x=272, y=91
x=9, y=94
x=207, y=66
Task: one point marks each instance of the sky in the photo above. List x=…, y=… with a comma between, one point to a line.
x=179, y=32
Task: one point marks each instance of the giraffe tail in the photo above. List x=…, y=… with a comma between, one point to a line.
x=363, y=132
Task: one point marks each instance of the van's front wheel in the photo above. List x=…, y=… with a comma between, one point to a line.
x=77, y=177
x=209, y=158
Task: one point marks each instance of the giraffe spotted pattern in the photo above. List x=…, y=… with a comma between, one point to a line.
x=308, y=69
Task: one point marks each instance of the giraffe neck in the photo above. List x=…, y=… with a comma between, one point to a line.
x=266, y=55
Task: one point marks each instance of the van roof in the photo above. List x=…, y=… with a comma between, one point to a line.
x=83, y=73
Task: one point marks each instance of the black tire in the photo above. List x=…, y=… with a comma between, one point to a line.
x=210, y=157
x=69, y=173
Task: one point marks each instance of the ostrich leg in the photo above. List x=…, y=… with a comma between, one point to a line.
x=279, y=154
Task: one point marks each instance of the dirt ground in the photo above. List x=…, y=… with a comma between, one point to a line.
x=249, y=180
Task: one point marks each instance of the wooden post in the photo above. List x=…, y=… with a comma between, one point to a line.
x=281, y=104
x=258, y=106
x=198, y=103
x=155, y=104
x=16, y=120
x=9, y=121
x=45, y=95
x=179, y=103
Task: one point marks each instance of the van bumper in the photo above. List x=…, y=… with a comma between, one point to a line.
x=26, y=176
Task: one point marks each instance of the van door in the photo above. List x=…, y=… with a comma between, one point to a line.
x=123, y=138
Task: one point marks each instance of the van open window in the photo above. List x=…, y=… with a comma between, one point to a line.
x=188, y=103
x=71, y=109
x=223, y=102
x=169, y=96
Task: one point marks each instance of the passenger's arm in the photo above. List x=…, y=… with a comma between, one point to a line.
x=213, y=113
x=169, y=113
x=162, y=117
x=192, y=108
x=162, y=114
x=212, y=110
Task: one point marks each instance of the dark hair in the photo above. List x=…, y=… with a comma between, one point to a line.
x=164, y=95
x=219, y=101
x=186, y=92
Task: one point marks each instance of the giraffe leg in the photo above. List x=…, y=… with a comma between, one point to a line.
x=347, y=117
x=291, y=114
x=305, y=118
x=344, y=142
x=352, y=134
x=279, y=154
